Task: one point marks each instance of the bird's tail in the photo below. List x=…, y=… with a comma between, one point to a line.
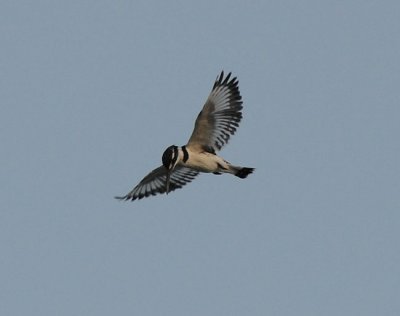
x=241, y=172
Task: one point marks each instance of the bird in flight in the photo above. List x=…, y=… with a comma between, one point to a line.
x=216, y=122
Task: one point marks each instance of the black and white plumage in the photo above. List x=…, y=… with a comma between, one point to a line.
x=215, y=124
x=220, y=116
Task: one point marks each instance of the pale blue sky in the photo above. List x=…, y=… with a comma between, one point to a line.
x=92, y=92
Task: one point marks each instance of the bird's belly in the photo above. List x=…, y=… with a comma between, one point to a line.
x=205, y=162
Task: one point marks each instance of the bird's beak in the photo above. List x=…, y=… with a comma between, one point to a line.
x=167, y=183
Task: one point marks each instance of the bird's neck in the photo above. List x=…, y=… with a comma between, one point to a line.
x=183, y=154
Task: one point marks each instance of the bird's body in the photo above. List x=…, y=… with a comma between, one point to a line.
x=206, y=162
x=203, y=161
x=214, y=125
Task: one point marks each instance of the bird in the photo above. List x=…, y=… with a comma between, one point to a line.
x=214, y=125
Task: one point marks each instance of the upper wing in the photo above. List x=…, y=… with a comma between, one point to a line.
x=155, y=182
x=220, y=116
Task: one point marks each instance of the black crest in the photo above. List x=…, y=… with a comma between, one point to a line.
x=170, y=156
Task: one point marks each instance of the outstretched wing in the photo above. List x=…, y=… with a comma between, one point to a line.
x=220, y=116
x=155, y=182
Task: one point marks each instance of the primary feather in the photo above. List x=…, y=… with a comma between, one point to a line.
x=220, y=115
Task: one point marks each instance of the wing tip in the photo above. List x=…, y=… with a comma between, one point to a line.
x=221, y=80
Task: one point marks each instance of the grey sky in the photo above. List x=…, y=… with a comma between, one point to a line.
x=92, y=92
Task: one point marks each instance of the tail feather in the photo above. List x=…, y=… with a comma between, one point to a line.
x=242, y=172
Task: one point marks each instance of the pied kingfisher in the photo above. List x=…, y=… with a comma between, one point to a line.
x=214, y=125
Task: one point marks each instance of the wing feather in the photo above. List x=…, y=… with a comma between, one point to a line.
x=220, y=116
x=154, y=182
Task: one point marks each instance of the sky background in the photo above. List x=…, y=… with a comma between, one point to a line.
x=92, y=92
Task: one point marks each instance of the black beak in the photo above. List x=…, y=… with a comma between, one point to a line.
x=167, y=183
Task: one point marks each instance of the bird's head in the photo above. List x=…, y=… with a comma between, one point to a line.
x=169, y=160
